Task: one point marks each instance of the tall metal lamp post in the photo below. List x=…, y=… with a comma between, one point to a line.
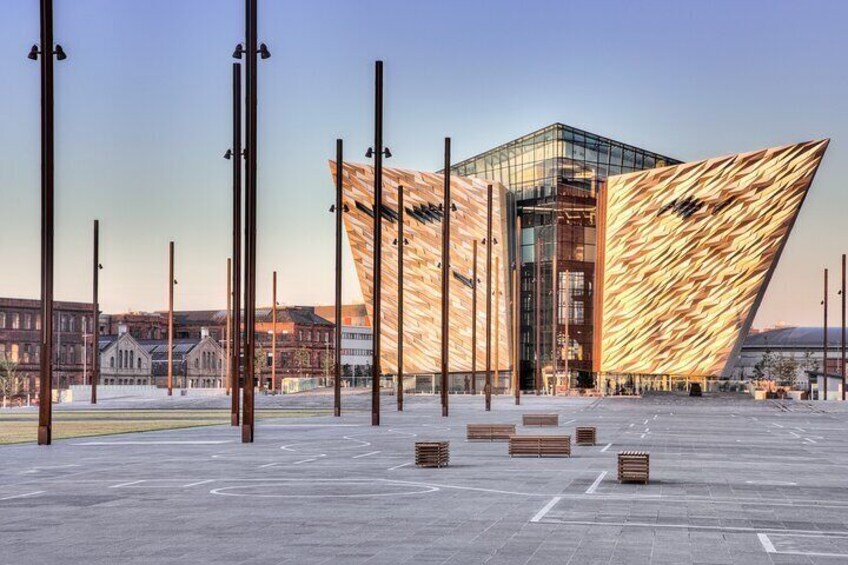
x=490, y=242
x=377, y=152
x=251, y=50
x=46, y=51
x=338, y=208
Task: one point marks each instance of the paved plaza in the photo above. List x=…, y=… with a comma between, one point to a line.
x=732, y=481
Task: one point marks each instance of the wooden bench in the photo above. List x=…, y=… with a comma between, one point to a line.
x=540, y=446
x=490, y=432
x=585, y=435
x=432, y=453
x=541, y=419
x=633, y=466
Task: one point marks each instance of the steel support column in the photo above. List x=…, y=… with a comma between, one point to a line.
x=516, y=314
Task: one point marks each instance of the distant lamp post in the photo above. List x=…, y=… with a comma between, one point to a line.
x=445, y=266
x=824, y=341
x=401, y=242
x=171, y=282
x=95, y=314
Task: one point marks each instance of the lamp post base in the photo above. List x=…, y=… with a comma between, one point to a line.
x=44, y=435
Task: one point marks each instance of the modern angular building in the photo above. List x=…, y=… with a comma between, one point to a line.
x=630, y=263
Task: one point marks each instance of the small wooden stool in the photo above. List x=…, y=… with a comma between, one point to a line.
x=432, y=453
x=585, y=435
x=633, y=466
x=540, y=419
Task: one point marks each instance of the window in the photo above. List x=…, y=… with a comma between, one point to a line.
x=2, y=320
x=139, y=362
x=16, y=321
x=112, y=362
x=27, y=321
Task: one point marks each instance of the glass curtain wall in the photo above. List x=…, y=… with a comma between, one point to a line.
x=553, y=176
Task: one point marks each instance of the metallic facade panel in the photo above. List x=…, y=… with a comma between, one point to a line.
x=422, y=256
x=685, y=255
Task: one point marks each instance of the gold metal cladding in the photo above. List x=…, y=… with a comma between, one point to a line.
x=687, y=252
x=422, y=255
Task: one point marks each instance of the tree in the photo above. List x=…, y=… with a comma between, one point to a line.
x=327, y=362
x=9, y=380
x=259, y=360
x=785, y=370
x=301, y=358
x=764, y=367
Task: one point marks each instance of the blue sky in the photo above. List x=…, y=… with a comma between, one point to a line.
x=143, y=117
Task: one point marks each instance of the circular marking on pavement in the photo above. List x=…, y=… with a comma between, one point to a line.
x=325, y=488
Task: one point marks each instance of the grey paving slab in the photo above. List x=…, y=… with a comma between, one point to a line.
x=732, y=481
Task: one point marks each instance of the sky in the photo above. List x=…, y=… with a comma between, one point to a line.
x=143, y=116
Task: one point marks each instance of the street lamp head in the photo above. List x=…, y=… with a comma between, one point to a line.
x=33, y=53
x=369, y=153
x=100, y=266
x=263, y=51
x=228, y=155
x=387, y=153
x=453, y=207
x=176, y=282
x=239, y=51
x=60, y=53
x=333, y=208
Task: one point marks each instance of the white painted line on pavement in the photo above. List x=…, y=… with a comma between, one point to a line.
x=767, y=545
x=270, y=464
x=365, y=454
x=568, y=422
x=607, y=446
x=776, y=425
x=127, y=484
x=795, y=435
x=160, y=442
x=642, y=436
x=772, y=483
x=810, y=440
x=545, y=509
x=597, y=482
x=399, y=466
x=631, y=425
x=311, y=425
x=24, y=495
x=645, y=423
x=305, y=461
x=207, y=481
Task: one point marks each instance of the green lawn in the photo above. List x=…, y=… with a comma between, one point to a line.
x=21, y=427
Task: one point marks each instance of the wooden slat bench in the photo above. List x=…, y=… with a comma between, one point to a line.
x=432, y=453
x=585, y=435
x=540, y=446
x=633, y=466
x=541, y=419
x=490, y=432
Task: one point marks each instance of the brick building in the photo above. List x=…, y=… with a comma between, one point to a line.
x=305, y=342
x=20, y=340
x=140, y=325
